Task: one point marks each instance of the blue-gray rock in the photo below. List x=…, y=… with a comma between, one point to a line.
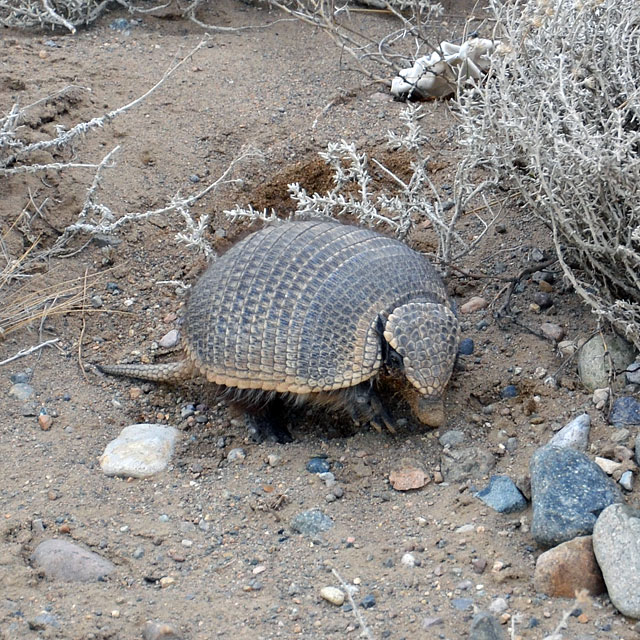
x=485, y=627
x=568, y=492
x=139, y=451
x=311, y=522
x=626, y=480
x=466, y=347
x=625, y=412
x=574, y=435
x=318, y=465
x=510, y=391
x=41, y=622
x=451, y=438
x=594, y=359
x=368, y=601
x=502, y=495
x=62, y=560
x=616, y=543
x=633, y=373
x=462, y=604
x=23, y=377
x=22, y=391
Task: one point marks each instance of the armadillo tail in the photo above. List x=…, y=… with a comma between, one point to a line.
x=165, y=372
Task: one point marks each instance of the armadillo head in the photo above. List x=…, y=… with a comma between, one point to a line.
x=425, y=334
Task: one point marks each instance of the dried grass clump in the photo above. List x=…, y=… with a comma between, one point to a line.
x=559, y=121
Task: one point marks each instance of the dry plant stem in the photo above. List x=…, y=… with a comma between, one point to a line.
x=559, y=120
x=26, y=352
x=84, y=325
x=356, y=612
x=505, y=309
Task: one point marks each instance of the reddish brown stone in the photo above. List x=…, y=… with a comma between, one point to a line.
x=567, y=568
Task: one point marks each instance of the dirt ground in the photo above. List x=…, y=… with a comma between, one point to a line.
x=217, y=530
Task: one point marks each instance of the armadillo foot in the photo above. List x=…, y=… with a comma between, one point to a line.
x=268, y=425
x=368, y=407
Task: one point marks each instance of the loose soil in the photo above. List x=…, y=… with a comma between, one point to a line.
x=218, y=528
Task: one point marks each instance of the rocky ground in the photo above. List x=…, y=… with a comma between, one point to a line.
x=239, y=539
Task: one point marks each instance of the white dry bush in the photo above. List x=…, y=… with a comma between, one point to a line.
x=558, y=119
x=357, y=194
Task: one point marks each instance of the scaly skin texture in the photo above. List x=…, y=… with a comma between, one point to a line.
x=309, y=309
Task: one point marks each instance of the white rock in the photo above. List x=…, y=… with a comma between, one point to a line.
x=601, y=397
x=141, y=450
x=498, y=606
x=169, y=339
x=574, y=435
x=408, y=560
x=437, y=74
x=567, y=347
x=332, y=595
x=626, y=480
x=608, y=466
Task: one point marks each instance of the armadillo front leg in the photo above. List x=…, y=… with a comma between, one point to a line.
x=267, y=424
x=368, y=407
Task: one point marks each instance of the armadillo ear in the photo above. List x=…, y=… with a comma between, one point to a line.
x=425, y=334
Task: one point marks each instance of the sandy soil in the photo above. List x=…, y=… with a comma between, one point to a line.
x=219, y=529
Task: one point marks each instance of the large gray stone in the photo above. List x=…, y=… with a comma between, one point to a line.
x=568, y=492
x=616, y=543
x=594, y=365
x=63, y=560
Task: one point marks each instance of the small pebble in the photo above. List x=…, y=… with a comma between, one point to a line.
x=466, y=347
x=408, y=560
x=608, y=466
x=169, y=339
x=502, y=495
x=510, y=391
x=600, y=397
x=473, y=304
x=462, y=604
x=332, y=595
x=21, y=391
x=626, y=480
x=311, y=522
x=567, y=348
x=237, y=454
x=542, y=299
x=318, y=465
x=552, y=331
x=274, y=460
x=44, y=420
x=368, y=601
x=498, y=606
x=159, y=631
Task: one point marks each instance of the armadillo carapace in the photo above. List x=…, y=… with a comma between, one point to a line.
x=314, y=310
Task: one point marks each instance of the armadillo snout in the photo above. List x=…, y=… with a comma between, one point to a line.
x=428, y=410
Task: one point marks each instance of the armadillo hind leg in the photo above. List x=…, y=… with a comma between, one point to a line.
x=165, y=372
x=268, y=423
x=366, y=406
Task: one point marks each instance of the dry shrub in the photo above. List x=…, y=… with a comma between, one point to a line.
x=559, y=121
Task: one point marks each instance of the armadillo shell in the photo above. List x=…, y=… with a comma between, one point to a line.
x=294, y=307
